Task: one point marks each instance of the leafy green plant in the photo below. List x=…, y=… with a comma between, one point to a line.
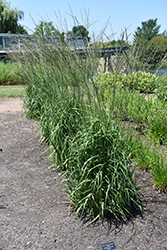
x=147, y=112
x=148, y=157
x=140, y=81
x=139, y=108
x=128, y=105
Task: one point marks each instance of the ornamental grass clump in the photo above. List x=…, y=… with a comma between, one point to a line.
x=158, y=124
x=62, y=95
x=159, y=173
x=100, y=175
x=56, y=99
x=161, y=90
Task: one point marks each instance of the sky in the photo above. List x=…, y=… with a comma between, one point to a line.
x=110, y=16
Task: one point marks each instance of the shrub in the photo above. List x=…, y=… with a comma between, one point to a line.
x=106, y=80
x=8, y=75
x=140, y=81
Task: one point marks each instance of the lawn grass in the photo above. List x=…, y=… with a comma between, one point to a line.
x=12, y=91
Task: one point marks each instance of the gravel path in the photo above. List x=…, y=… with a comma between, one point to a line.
x=33, y=214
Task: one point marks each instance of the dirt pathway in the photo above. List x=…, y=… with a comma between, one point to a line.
x=10, y=105
x=33, y=214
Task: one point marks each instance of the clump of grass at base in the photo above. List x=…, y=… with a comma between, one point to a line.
x=157, y=122
x=161, y=90
x=100, y=175
x=141, y=151
x=148, y=157
x=159, y=173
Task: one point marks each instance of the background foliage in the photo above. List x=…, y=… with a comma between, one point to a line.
x=9, y=19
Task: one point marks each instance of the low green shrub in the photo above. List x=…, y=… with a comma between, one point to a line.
x=139, y=108
x=146, y=156
x=147, y=114
x=8, y=75
x=140, y=81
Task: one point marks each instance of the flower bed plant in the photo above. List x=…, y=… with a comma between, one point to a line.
x=140, y=81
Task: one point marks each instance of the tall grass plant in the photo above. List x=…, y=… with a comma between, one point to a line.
x=62, y=95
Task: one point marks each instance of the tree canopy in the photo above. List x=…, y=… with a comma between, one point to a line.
x=46, y=29
x=80, y=31
x=149, y=45
x=9, y=19
x=148, y=30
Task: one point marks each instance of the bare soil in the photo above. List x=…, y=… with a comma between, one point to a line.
x=33, y=214
x=11, y=105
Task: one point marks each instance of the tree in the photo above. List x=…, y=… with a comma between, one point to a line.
x=46, y=29
x=9, y=19
x=148, y=30
x=21, y=30
x=149, y=45
x=81, y=31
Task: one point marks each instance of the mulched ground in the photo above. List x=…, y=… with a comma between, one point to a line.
x=33, y=214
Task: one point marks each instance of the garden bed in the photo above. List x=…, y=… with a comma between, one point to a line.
x=33, y=212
